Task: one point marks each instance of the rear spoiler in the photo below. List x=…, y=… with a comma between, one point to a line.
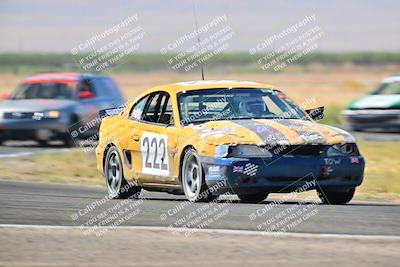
x=110, y=112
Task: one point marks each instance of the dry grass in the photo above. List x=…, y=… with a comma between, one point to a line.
x=75, y=167
x=329, y=86
x=382, y=177
x=333, y=87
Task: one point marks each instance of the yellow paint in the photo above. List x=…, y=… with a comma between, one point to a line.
x=125, y=133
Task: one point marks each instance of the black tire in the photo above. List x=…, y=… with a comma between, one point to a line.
x=193, y=182
x=117, y=186
x=67, y=138
x=42, y=143
x=68, y=141
x=253, y=198
x=337, y=197
x=355, y=129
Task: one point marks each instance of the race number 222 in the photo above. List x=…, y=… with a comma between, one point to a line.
x=154, y=150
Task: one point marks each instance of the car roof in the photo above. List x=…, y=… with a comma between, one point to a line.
x=392, y=79
x=208, y=84
x=58, y=76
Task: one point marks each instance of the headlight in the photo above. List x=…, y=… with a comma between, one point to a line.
x=52, y=114
x=249, y=151
x=221, y=151
x=346, y=149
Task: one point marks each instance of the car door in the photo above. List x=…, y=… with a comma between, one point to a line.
x=107, y=92
x=129, y=139
x=154, y=139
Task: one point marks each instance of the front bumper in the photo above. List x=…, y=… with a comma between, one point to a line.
x=372, y=118
x=27, y=129
x=282, y=173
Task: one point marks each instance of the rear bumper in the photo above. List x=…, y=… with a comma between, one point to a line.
x=372, y=119
x=282, y=174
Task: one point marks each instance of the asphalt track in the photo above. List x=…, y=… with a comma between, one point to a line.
x=59, y=225
x=70, y=205
x=69, y=225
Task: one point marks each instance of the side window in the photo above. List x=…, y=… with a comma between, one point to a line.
x=152, y=111
x=87, y=87
x=166, y=116
x=137, y=109
x=159, y=109
x=106, y=87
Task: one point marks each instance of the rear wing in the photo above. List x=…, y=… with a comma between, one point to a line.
x=110, y=112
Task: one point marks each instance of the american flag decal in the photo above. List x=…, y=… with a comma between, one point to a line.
x=354, y=160
x=238, y=169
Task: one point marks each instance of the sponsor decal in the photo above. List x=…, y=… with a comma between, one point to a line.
x=354, y=160
x=214, y=171
x=17, y=114
x=250, y=169
x=309, y=138
x=261, y=129
x=238, y=169
x=326, y=171
x=330, y=161
x=266, y=134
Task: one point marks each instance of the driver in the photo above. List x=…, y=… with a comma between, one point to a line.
x=252, y=107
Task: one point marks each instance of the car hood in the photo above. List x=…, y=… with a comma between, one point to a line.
x=263, y=132
x=376, y=101
x=32, y=105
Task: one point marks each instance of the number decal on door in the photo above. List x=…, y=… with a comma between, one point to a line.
x=154, y=148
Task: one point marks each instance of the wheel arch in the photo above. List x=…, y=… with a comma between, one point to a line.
x=107, y=147
x=74, y=118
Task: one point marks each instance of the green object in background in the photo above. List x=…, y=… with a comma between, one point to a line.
x=332, y=115
x=396, y=105
x=352, y=105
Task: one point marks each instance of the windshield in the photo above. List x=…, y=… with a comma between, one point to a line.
x=50, y=90
x=234, y=104
x=392, y=88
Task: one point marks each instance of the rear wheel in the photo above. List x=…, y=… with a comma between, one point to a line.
x=253, y=198
x=117, y=186
x=336, y=196
x=193, y=181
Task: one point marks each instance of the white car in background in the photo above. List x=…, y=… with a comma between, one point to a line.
x=379, y=110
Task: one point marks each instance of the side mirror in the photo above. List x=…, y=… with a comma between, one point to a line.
x=85, y=95
x=316, y=113
x=5, y=96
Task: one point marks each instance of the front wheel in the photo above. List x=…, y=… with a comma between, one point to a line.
x=193, y=181
x=69, y=140
x=253, y=198
x=117, y=186
x=338, y=197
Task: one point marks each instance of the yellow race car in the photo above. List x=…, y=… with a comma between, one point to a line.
x=205, y=138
